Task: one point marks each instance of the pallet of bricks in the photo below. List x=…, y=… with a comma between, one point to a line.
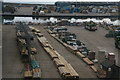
x=65, y=69
x=32, y=68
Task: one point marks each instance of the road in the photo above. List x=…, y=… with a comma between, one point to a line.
x=81, y=68
x=11, y=63
x=49, y=70
x=95, y=41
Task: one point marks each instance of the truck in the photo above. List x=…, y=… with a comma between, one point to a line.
x=91, y=26
x=117, y=38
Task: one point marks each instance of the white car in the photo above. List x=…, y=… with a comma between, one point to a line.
x=42, y=12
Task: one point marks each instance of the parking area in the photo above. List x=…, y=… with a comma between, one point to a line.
x=95, y=41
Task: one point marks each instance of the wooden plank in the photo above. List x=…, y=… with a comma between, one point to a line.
x=31, y=27
x=72, y=71
x=80, y=54
x=38, y=37
x=64, y=44
x=47, y=49
x=88, y=61
x=93, y=68
x=63, y=71
x=36, y=73
x=58, y=62
x=49, y=31
x=35, y=33
x=27, y=74
x=39, y=34
x=36, y=30
x=63, y=60
x=56, y=35
x=53, y=35
x=58, y=40
x=45, y=44
x=51, y=52
x=71, y=49
x=24, y=52
x=50, y=47
x=42, y=39
x=57, y=53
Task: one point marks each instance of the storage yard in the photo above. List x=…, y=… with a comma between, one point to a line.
x=95, y=40
x=61, y=48
x=16, y=70
x=47, y=65
x=49, y=70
